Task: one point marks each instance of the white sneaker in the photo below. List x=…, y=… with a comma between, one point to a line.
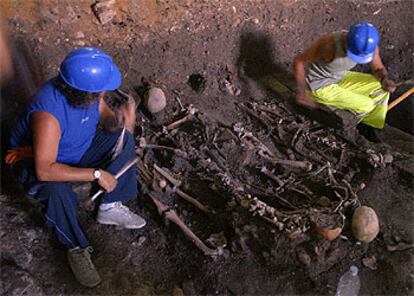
x=120, y=215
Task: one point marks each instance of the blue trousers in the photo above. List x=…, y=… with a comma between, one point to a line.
x=60, y=201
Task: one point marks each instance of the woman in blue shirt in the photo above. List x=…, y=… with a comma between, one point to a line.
x=59, y=141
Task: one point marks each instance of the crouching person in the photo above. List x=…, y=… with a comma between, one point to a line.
x=329, y=81
x=58, y=141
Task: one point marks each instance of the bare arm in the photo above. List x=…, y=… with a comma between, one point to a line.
x=378, y=67
x=46, y=135
x=124, y=117
x=381, y=73
x=322, y=49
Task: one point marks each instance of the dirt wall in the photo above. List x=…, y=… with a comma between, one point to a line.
x=148, y=28
x=169, y=40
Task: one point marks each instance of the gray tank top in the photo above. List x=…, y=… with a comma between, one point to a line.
x=321, y=74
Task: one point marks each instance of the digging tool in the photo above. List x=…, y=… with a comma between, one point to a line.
x=119, y=144
x=381, y=91
x=401, y=98
x=115, y=152
x=89, y=203
x=125, y=95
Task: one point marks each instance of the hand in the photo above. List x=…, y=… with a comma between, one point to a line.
x=107, y=181
x=126, y=115
x=304, y=100
x=388, y=85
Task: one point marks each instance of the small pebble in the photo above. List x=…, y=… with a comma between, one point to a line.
x=141, y=240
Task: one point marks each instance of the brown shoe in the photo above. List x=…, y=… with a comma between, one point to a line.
x=82, y=267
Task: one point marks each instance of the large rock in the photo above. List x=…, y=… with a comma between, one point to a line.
x=104, y=11
x=365, y=224
x=155, y=100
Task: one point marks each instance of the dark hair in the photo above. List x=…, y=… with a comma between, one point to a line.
x=75, y=97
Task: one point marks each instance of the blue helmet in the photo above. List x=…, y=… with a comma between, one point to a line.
x=89, y=69
x=362, y=40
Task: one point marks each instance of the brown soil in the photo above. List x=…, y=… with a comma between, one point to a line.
x=192, y=48
x=326, y=221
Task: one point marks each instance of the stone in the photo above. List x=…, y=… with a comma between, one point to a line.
x=141, y=241
x=80, y=43
x=365, y=224
x=155, y=100
x=304, y=258
x=105, y=16
x=177, y=292
x=79, y=35
x=370, y=262
x=103, y=11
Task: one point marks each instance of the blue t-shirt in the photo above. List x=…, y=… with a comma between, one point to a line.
x=77, y=124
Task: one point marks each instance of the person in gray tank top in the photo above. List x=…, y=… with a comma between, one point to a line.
x=327, y=78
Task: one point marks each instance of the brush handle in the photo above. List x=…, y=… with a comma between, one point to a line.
x=401, y=98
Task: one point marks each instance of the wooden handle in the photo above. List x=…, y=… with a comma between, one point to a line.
x=401, y=98
x=381, y=91
x=119, y=174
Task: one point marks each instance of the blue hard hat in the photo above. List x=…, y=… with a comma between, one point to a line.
x=362, y=40
x=89, y=69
